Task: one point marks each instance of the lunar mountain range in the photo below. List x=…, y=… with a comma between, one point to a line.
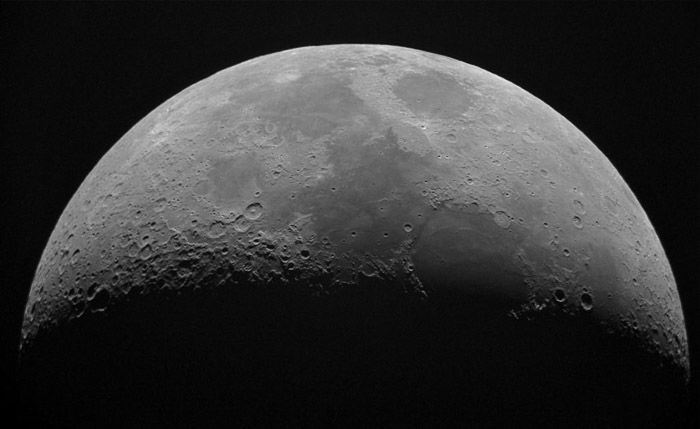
x=436, y=206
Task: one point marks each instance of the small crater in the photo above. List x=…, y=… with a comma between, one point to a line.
x=100, y=301
x=578, y=223
x=451, y=138
x=254, y=211
x=160, y=205
x=145, y=252
x=304, y=253
x=559, y=295
x=502, y=219
x=586, y=301
x=91, y=291
x=579, y=208
x=566, y=252
x=386, y=235
x=241, y=224
x=216, y=230
x=407, y=227
x=74, y=258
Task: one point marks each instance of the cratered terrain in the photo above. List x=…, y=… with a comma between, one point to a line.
x=354, y=234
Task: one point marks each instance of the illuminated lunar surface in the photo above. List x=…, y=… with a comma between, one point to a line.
x=333, y=180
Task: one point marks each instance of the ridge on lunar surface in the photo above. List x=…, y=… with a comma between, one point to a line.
x=332, y=169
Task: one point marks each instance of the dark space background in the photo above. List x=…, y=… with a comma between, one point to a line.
x=77, y=76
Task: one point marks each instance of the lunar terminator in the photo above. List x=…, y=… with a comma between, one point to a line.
x=355, y=183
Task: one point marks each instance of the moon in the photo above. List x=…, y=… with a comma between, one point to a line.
x=365, y=231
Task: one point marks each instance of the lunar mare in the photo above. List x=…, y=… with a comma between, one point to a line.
x=321, y=168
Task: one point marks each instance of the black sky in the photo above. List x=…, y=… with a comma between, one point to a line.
x=77, y=76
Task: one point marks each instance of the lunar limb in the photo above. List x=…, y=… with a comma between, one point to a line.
x=386, y=184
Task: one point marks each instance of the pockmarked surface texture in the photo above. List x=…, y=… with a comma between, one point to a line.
x=323, y=170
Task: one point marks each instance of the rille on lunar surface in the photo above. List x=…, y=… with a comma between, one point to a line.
x=432, y=201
